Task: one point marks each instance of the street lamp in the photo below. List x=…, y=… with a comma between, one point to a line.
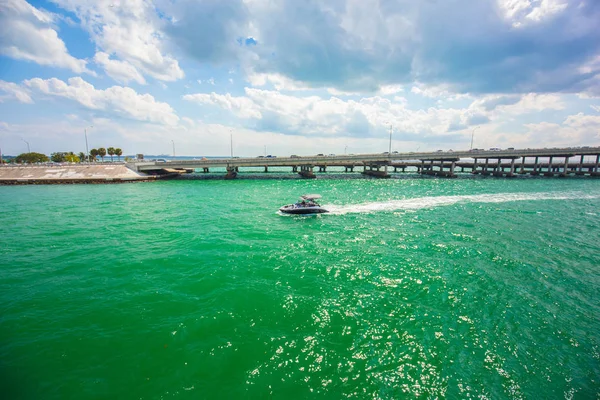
x=231, y=142
x=472, y=136
x=28, y=148
x=172, y=141
x=87, y=152
x=390, y=152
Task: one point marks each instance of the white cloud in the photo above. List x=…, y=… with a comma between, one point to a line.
x=241, y=106
x=578, y=129
x=121, y=100
x=313, y=115
x=28, y=33
x=520, y=12
x=384, y=90
x=129, y=30
x=519, y=104
x=120, y=71
x=442, y=91
x=391, y=89
x=278, y=81
x=14, y=91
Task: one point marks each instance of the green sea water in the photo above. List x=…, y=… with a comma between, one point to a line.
x=409, y=288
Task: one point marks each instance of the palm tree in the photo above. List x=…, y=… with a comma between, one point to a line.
x=118, y=152
x=102, y=153
x=81, y=156
x=94, y=153
x=111, y=152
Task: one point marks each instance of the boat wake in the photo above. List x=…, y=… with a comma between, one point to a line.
x=440, y=201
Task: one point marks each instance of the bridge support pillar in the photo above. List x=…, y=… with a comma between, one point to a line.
x=374, y=170
x=266, y=169
x=306, y=171
x=322, y=168
x=205, y=170
x=580, y=166
x=550, y=167
x=565, y=170
x=512, y=168
x=595, y=173
x=231, y=173
x=485, y=167
x=474, y=170
x=452, y=166
x=294, y=168
x=498, y=168
x=522, y=170
x=535, y=167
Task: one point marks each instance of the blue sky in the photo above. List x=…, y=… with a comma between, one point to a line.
x=297, y=77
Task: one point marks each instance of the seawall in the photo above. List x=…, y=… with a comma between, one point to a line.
x=70, y=174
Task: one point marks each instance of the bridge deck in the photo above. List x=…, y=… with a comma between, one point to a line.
x=369, y=159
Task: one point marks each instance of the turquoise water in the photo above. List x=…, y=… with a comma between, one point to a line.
x=430, y=288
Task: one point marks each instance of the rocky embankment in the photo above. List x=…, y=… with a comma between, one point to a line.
x=69, y=174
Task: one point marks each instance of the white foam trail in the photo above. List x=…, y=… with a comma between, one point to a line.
x=439, y=201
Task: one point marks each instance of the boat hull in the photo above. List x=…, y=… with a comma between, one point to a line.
x=302, y=210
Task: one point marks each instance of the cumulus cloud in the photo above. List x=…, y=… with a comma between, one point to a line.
x=312, y=115
x=120, y=71
x=28, y=33
x=121, y=100
x=13, y=91
x=209, y=31
x=130, y=30
x=578, y=129
x=358, y=46
x=519, y=104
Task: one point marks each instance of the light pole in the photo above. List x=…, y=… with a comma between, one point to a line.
x=472, y=136
x=346, y=150
x=87, y=152
x=28, y=148
x=231, y=142
x=390, y=152
x=172, y=141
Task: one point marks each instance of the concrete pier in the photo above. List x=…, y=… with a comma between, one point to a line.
x=374, y=170
x=306, y=171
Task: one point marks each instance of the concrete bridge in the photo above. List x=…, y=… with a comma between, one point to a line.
x=546, y=162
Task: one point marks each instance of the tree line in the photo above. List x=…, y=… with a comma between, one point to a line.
x=59, y=157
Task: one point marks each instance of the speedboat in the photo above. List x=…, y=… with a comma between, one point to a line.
x=306, y=205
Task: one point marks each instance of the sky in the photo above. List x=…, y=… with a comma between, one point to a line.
x=281, y=77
